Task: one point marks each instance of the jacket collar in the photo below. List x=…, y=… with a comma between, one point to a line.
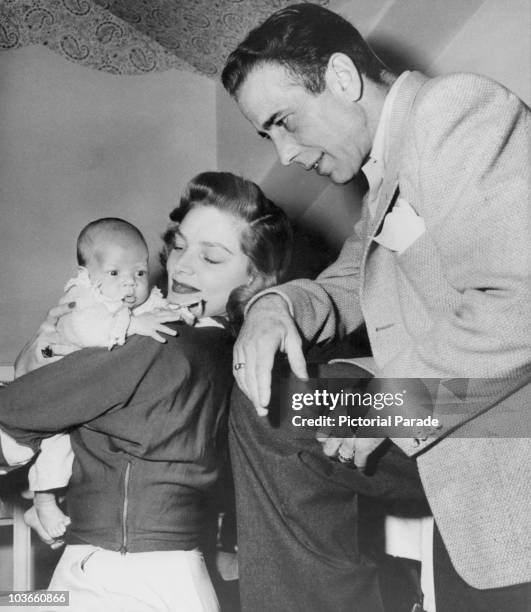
x=400, y=112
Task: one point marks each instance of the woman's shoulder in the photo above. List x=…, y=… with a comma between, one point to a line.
x=207, y=350
x=207, y=337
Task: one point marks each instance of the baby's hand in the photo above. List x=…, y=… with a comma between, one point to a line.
x=152, y=324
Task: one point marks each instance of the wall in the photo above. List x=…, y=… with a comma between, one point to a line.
x=495, y=41
x=239, y=148
x=409, y=34
x=78, y=144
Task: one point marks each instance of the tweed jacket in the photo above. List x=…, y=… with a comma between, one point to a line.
x=454, y=304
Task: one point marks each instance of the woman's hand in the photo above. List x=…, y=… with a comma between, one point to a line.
x=45, y=346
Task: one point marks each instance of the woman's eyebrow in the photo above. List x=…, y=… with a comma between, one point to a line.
x=207, y=243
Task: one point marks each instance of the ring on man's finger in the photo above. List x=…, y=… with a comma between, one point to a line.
x=47, y=352
x=239, y=365
x=343, y=459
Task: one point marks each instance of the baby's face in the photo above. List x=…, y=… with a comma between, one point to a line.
x=121, y=271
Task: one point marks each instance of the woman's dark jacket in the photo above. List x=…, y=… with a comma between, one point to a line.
x=146, y=421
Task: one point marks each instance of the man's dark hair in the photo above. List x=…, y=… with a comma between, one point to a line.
x=301, y=38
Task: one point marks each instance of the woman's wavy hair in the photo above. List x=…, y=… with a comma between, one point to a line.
x=266, y=236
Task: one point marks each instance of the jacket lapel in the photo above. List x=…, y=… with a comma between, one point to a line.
x=397, y=125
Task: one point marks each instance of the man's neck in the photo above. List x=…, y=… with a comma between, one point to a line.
x=374, y=98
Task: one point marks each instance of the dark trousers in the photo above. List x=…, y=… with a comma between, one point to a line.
x=453, y=594
x=297, y=511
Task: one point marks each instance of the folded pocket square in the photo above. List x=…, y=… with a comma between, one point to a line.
x=401, y=227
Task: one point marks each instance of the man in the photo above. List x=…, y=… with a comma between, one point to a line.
x=438, y=268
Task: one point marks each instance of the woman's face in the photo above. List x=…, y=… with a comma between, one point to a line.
x=206, y=262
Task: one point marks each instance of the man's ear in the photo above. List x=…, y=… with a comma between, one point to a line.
x=343, y=77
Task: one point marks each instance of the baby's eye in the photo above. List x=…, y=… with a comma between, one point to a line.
x=113, y=272
x=141, y=273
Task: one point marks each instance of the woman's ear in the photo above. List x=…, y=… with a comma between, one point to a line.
x=264, y=281
x=258, y=282
x=343, y=77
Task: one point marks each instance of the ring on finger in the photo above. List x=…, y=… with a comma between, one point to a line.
x=47, y=352
x=239, y=365
x=343, y=458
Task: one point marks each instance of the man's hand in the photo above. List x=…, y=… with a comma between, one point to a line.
x=350, y=449
x=268, y=328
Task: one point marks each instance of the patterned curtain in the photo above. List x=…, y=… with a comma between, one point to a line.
x=136, y=36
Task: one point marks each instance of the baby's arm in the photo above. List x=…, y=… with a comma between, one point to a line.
x=149, y=318
x=93, y=322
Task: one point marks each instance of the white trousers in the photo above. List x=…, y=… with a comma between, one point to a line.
x=161, y=581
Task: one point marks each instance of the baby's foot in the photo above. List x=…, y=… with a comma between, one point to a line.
x=51, y=517
x=32, y=520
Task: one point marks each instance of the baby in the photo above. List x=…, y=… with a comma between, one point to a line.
x=112, y=301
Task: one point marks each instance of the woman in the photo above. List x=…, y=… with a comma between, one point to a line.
x=145, y=419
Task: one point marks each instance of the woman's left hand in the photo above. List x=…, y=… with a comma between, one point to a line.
x=45, y=346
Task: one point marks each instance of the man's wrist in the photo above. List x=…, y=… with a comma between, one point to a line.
x=271, y=300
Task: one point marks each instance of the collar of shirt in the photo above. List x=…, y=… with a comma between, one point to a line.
x=211, y=322
x=374, y=168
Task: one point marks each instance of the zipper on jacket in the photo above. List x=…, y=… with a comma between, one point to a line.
x=123, y=548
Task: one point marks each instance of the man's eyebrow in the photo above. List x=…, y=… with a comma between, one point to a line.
x=269, y=122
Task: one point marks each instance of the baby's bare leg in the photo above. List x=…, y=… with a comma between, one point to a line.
x=51, y=517
x=32, y=520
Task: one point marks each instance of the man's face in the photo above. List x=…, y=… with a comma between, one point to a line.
x=327, y=132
